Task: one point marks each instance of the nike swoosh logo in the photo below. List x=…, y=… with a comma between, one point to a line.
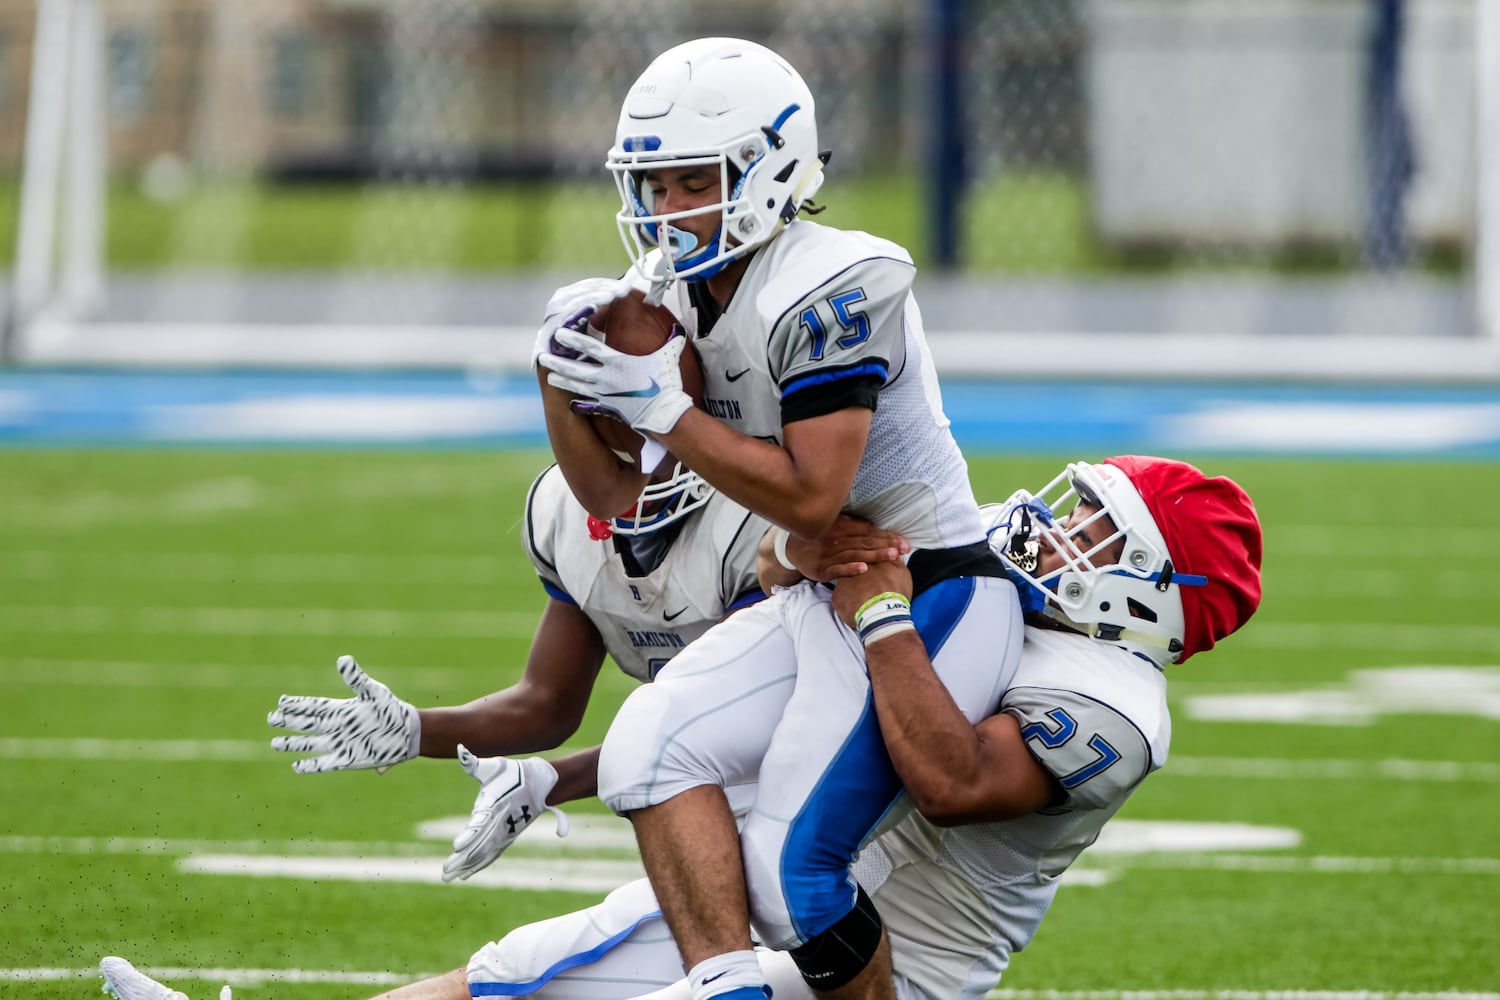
x=673, y=615
x=650, y=390
x=735, y=376
x=717, y=975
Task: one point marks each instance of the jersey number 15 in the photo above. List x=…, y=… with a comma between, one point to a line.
x=845, y=314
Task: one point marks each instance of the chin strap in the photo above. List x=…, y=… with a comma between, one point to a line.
x=1112, y=633
x=599, y=530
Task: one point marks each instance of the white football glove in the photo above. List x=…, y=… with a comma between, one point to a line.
x=373, y=729
x=570, y=307
x=512, y=793
x=643, y=390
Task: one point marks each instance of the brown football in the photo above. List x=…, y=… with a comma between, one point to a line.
x=631, y=326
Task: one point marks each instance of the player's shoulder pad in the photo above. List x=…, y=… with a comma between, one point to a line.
x=729, y=522
x=808, y=256
x=1093, y=714
x=725, y=535
x=549, y=506
x=548, y=492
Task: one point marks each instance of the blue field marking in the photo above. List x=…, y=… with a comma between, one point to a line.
x=320, y=409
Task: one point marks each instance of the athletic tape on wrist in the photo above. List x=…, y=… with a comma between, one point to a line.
x=778, y=543
x=885, y=630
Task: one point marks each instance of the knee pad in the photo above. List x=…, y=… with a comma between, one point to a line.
x=833, y=958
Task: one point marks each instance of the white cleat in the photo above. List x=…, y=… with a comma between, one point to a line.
x=124, y=981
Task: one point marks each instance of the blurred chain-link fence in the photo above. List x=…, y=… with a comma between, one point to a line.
x=1034, y=150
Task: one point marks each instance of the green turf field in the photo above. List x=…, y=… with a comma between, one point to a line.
x=153, y=604
x=1014, y=222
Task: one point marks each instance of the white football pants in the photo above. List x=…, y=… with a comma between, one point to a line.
x=780, y=691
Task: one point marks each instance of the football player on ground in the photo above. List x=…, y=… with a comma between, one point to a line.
x=639, y=587
x=1124, y=567
x=820, y=398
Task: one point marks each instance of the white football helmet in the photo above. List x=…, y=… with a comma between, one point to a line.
x=1135, y=601
x=662, y=503
x=721, y=102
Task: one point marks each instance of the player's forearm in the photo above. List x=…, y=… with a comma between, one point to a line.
x=505, y=723
x=759, y=475
x=577, y=777
x=934, y=748
x=595, y=476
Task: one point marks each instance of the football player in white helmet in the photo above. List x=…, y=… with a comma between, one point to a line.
x=1168, y=562
x=820, y=398
x=638, y=587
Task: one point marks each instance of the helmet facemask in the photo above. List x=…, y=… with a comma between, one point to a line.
x=643, y=229
x=661, y=503
x=1086, y=552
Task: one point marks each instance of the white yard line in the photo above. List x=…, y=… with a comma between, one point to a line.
x=1346, y=770
x=12, y=748
x=30, y=619
x=91, y=748
x=265, y=567
x=148, y=673
x=174, y=846
x=592, y=834
x=138, y=673
x=545, y=848
x=1316, y=865
x=1425, y=640
x=553, y=874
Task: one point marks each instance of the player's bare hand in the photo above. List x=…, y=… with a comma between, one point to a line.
x=849, y=548
x=852, y=591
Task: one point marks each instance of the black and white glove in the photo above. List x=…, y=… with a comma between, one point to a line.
x=570, y=308
x=512, y=793
x=372, y=729
x=644, y=390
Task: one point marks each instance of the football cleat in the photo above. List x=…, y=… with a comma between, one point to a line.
x=126, y=982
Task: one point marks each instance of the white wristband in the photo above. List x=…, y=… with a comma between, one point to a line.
x=885, y=629
x=778, y=543
x=883, y=615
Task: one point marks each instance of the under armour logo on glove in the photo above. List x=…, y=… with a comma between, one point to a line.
x=523, y=819
x=512, y=793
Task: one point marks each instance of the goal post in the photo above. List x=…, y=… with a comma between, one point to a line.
x=1487, y=174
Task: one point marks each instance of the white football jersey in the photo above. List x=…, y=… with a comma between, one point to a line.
x=1096, y=717
x=645, y=620
x=815, y=306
